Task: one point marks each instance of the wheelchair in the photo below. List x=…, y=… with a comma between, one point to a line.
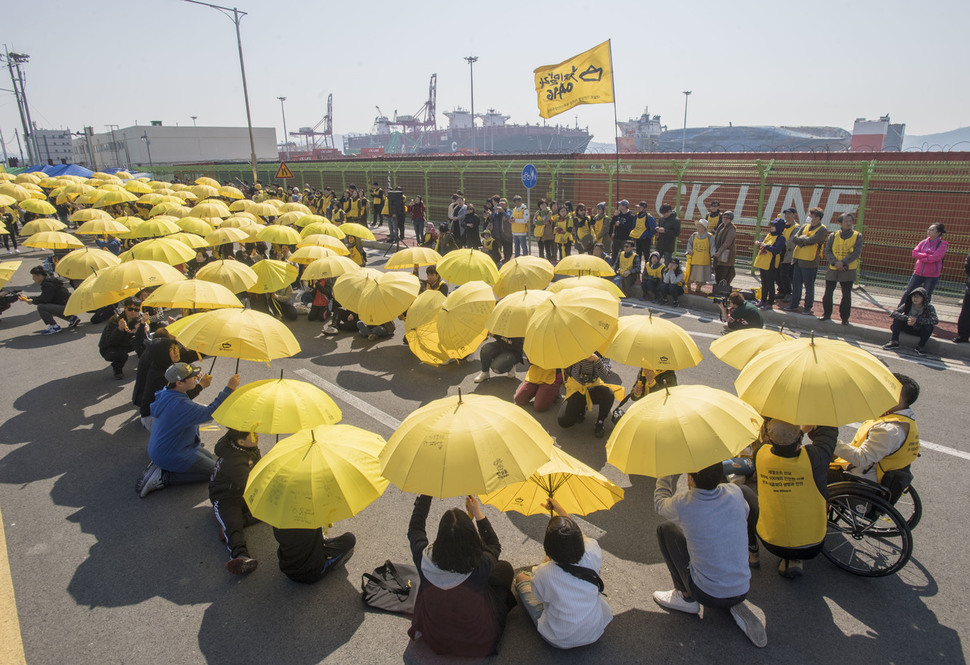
x=870, y=524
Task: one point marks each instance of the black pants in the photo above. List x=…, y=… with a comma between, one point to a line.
x=725, y=273
x=963, y=323
x=768, y=276
x=8, y=237
x=785, y=272
x=233, y=516
x=923, y=332
x=506, y=249
x=317, y=313
x=574, y=406
x=547, y=249
x=651, y=285
x=117, y=356
x=643, y=246
x=495, y=354
x=828, y=299
x=332, y=547
x=378, y=214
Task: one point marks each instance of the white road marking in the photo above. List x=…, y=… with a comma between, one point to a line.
x=336, y=391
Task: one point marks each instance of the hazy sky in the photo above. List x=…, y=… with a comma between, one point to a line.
x=747, y=61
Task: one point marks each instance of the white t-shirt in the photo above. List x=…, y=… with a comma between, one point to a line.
x=575, y=613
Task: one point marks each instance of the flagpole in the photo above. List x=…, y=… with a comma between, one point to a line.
x=616, y=132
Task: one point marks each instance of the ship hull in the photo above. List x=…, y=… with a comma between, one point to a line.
x=507, y=139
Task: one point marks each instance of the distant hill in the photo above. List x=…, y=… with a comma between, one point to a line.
x=956, y=140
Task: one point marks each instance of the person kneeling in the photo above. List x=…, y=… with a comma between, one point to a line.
x=740, y=314
x=375, y=332
x=306, y=555
x=237, y=452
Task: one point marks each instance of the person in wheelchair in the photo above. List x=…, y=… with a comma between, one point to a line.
x=647, y=381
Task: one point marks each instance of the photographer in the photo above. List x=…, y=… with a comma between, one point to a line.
x=739, y=313
x=117, y=339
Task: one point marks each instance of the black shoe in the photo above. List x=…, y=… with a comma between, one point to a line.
x=825, y=318
x=961, y=340
x=891, y=345
x=845, y=323
x=119, y=374
x=920, y=351
x=600, y=429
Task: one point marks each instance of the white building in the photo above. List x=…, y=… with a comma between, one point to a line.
x=142, y=146
x=53, y=146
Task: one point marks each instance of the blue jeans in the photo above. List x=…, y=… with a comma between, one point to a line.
x=200, y=471
x=521, y=243
x=916, y=281
x=532, y=606
x=366, y=330
x=806, y=277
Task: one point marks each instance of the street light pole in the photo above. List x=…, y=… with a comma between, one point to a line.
x=114, y=142
x=286, y=141
x=148, y=146
x=472, y=59
x=193, y=119
x=683, y=137
x=236, y=16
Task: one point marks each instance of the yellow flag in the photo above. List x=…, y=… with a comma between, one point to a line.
x=583, y=79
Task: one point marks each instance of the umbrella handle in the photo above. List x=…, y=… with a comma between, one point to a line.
x=212, y=365
x=237, y=366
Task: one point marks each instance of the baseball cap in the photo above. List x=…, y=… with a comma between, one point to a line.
x=791, y=210
x=782, y=433
x=624, y=203
x=181, y=372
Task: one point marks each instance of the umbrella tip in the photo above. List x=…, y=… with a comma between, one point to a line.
x=813, y=339
x=459, y=395
x=782, y=329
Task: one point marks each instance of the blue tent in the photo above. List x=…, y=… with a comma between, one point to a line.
x=60, y=169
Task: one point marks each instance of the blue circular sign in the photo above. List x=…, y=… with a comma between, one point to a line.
x=529, y=176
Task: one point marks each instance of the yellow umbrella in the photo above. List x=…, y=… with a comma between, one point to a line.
x=324, y=228
x=288, y=218
x=39, y=225
x=138, y=187
x=114, y=198
x=102, y=226
x=206, y=180
x=87, y=298
x=738, y=348
x=295, y=207
x=190, y=239
x=150, y=199
x=179, y=211
x=510, y=318
x=136, y=274
x=53, y=240
x=523, y=272
x=279, y=235
x=235, y=276
x=377, y=297
x=154, y=228
x=264, y=209
x=588, y=281
x=224, y=236
x=357, y=230
x=316, y=477
x=307, y=220
x=813, y=381
x=458, y=445
x=236, y=333
x=578, y=488
x=7, y=269
x=162, y=208
x=653, y=342
x=7, y=201
x=191, y=224
x=167, y=250
x=193, y=294
x=81, y=263
x=412, y=256
x=240, y=220
x=230, y=192
x=204, y=191
x=466, y=265
x=242, y=204
x=38, y=207
x=461, y=321
x=311, y=253
x=186, y=196
x=277, y=406
x=323, y=240
x=273, y=275
x=211, y=209
x=421, y=328
x=569, y=326
x=329, y=267
x=584, y=264
x=32, y=178
x=681, y=430
x=16, y=192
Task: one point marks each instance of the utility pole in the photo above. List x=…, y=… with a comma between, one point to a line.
x=286, y=140
x=20, y=107
x=20, y=146
x=148, y=146
x=4, y=145
x=127, y=154
x=114, y=142
x=193, y=119
x=472, y=59
x=683, y=138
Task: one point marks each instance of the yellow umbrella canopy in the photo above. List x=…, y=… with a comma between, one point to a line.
x=653, y=342
x=211, y=208
x=459, y=445
x=279, y=235
x=138, y=187
x=466, y=265
x=413, y=256
x=578, y=488
x=236, y=333
x=206, y=180
x=324, y=228
x=288, y=218
x=38, y=207
x=191, y=224
x=584, y=264
x=87, y=298
x=39, y=225
x=357, y=230
x=311, y=253
x=277, y=406
x=224, y=236
x=179, y=211
x=190, y=239
x=421, y=328
x=329, y=267
x=150, y=199
x=377, y=297
x=242, y=204
x=15, y=191
x=53, y=240
x=324, y=240
x=114, y=198
x=273, y=275
x=813, y=381
x=7, y=201
x=167, y=250
x=316, y=477
x=235, y=276
x=738, y=348
x=521, y=273
x=240, y=220
x=162, y=208
x=681, y=430
x=230, y=192
x=136, y=274
x=295, y=207
x=510, y=318
x=587, y=281
x=461, y=321
x=264, y=209
x=193, y=294
x=569, y=326
x=154, y=228
x=307, y=220
x=186, y=195
x=81, y=263
x=32, y=178
x=101, y=226
x=7, y=269
x=205, y=191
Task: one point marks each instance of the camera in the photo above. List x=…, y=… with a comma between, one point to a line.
x=719, y=300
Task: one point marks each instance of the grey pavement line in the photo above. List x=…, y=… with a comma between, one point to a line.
x=336, y=391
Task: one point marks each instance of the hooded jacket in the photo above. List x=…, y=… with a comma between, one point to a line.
x=927, y=317
x=232, y=470
x=150, y=377
x=52, y=292
x=174, y=437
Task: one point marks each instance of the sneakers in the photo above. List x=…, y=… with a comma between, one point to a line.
x=146, y=422
x=749, y=622
x=482, y=376
x=825, y=317
x=241, y=565
x=961, y=340
x=891, y=345
x=754, y=557
x=920, y=351
x=511, y=373
x=151, y=480
x=790, y=568
x=338, y=560
x=51, y=329
x=119, y=374
x=674, y=600
x=676, y=303
x=792, y=308
x=330, y=330
x=74, y=322
x=600, y=429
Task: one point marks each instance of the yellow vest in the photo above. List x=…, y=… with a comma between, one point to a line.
x=574, y=386
x=625, y=262
x=598, y=226
x=842, y=247
x=518, y=223
x=327, y=200
x=488, y=244
x=540, y=375
x=338, y=217
x=376, y=196
x=702, y=251
x=582, y=227
x=788, y=231
x=640, y=228
x=564, y=227
x=540, y=224
x=907, y=453
x=712, y=222
x=792, y=508
x=808, y=252
x=763, y=259
x=656, y=273
x=355, y=256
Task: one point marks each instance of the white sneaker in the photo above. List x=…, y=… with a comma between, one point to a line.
x=750, y=623
x=146, y=422
x=482, y=376
x=511, y=373
x=151, y=481
x=674, y=600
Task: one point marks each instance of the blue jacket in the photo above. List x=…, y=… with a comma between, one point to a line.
x=175, y=432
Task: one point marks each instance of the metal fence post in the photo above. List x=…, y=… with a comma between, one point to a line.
x=867, y=170
x=763, y=171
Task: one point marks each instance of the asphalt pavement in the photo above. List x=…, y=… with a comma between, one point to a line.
x=101, y=576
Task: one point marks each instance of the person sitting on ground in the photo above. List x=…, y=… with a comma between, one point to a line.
x=341, y=318
x=51, y=301
x=916, y=317
x=357, y=252
x=174, y=447
x=792, y=492
x=322, y=293
x=430, y=237
x=706, y=546
x=238, y=452
x=307, y=555
x=117, y=338
x=446, y=240
x=699, y=256
x=599, y=251
x=672, y=284
x=375, y=332
x=740, y=314
x=504, y=353
x=653, y=274
x=647, y=381
x=541, y=387
x=586, y=386
x=562, y=594
x=434, y=281
x=465, y=592
x=627, y=267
